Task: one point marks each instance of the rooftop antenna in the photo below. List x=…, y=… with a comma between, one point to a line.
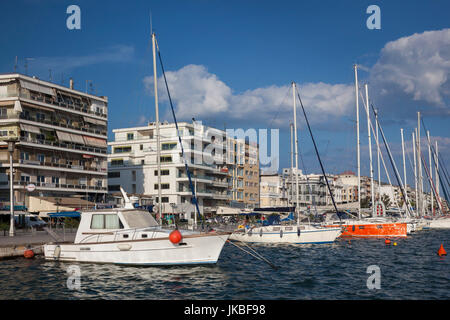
x=15, y=65
x=50, y=74
x=87, y=81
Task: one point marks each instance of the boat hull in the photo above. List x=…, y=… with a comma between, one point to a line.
x=372, y=230
x=283, y=234
x=201, y=249
x=443, y=223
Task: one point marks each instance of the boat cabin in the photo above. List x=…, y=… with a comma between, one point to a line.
x=113, y=225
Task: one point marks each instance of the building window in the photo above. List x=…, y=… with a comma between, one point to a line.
x=163, y=199
x=117, y=162
x=166, y=159
x=133, y=177
x=169, y=146
x=130, y=136
x=141, y=147
x=40, y=179
x=55, y=180
x=163, y=186
x=114, y=174
x=163, y=172
x=24, y=156
x=142, y=161
x=133, y=188
x=115, y=187
x=122, y=149
x=41, y=158
x=25, y=178
x=3, y=113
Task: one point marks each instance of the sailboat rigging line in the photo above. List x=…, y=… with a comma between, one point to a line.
x=317, y=153
x=309, y=184
x=442, y=165
x=399, y=180
x=279, y=107
x=431, y=184
x=375, y=138
x=179, y=137
x=257, y=255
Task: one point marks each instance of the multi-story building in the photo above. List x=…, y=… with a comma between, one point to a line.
x=60, y=139
x=216, y=165
x=313, y=190
x=273, y=190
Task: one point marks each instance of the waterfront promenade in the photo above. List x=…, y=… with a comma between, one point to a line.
x=11, y=247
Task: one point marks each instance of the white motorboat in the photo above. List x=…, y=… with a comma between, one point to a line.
x=300, y=234
x=133, y=237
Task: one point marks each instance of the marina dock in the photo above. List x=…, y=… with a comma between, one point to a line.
x=12, y=247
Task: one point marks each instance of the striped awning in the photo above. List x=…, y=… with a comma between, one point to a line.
x=63, y=136
x=95, y=121
x=28, y=128
x=36, y=87
x=96, y=142
x=76, y=138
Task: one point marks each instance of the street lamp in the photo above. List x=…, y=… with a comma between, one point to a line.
x=11, y=144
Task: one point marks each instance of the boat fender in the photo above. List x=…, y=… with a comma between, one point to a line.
x=57, y=252
x=260, y=232
x=29, y=254
x=175, y=236
x=298, y=232
x=124, y=246
x=281, y=233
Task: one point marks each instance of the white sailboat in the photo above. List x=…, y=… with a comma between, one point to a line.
x=133, y=237
x=299, y=233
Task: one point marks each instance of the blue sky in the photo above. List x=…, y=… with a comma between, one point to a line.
x=246, y=53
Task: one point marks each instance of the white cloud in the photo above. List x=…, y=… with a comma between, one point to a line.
x=418, y=65
x=199, y=93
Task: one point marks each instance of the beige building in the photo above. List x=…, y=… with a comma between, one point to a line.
x=273, y=191
x=60, y=139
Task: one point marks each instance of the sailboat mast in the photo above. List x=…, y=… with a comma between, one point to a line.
x=158, y=144
x=431, y=171
x=436, y=167
x=297, y=204
x=416, y=185
x=404, y=167
x=378, y=156
x=357, y=140
x=419, y=163
x=292, y=162
x=370, y=150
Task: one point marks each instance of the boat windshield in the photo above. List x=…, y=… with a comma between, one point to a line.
x=139, y=219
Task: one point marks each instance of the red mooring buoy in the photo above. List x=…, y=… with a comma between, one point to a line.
x=29, y=254
x=175, y=236
x=387, y=241
x=441, y=251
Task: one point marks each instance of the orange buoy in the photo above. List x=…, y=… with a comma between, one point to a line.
x=175, y=236
x=28, y=254
x=441, y=251
x=387, y=241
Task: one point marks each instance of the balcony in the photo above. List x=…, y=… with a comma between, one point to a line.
x=69, y=105
x=65, y=145
x=57, y=166
x=63, y=124
x=56, y=186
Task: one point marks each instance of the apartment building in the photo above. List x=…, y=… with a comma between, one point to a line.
x=216, y=163
x=60, y=140
x=274, y=191
x=313, y=189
